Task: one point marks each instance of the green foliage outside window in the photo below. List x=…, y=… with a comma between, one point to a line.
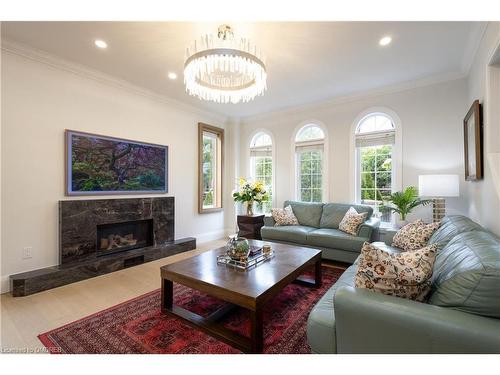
x=264, y=173
x=311, y=175
x=376, y=175
x=208, y=172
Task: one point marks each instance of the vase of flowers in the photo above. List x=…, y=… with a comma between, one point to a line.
x=249, y=193
x=250, y=208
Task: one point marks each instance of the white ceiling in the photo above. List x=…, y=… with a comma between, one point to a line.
x=306, y=61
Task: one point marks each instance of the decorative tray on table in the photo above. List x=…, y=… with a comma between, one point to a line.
x=255, y=257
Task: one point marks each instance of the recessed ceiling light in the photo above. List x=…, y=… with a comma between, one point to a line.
x=172, y=75
x=100, y=43
x=385, y=41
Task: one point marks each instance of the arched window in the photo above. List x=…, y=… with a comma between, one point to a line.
x=309, y=150
x=261, y=165
x=375, y=137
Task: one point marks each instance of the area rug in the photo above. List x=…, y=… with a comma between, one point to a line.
x=138, y=326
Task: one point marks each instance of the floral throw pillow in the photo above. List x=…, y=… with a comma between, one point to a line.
x=351, y=221
x=405, y=275
x=415, y=235
x=284, y=216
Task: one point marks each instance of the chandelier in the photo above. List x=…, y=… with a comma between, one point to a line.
x=223, y=69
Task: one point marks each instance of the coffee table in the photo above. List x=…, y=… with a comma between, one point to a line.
x=249, y=289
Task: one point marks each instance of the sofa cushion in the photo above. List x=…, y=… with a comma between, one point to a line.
x=415, y=235
x=308, y=214
x=290, y=233
x=321, y=321
x=333, y=213
x=352, y=220
x=335, y=239
x=387, y=248
x=405, y=275
x=284, y=216
x=384, y=247
x=467, y=274
x=450, y=227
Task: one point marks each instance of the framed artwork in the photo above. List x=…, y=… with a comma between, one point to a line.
x=97, y=164
x=473, y=143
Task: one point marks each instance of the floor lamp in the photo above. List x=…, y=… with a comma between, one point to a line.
x=438, y=187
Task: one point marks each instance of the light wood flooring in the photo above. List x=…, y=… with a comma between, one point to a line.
x=24, y=318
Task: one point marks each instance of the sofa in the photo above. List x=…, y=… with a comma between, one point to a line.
x=462, y=314
x=319, y=223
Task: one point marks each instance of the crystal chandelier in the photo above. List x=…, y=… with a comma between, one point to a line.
x=223, y=69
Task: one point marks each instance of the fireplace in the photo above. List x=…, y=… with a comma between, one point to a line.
x=86, y=226
x=128, y=231
x=115, y=237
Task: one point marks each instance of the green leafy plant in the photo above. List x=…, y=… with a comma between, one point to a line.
x=403, y=202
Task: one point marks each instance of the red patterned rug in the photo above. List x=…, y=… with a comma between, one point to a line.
x=138, y=326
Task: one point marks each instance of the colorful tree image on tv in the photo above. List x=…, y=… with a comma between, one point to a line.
x=105, y=165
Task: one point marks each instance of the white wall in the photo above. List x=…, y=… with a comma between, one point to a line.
x=40, y=101
x=432, y=138
x=484, y=195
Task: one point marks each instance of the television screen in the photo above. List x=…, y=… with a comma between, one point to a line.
x=105, y=165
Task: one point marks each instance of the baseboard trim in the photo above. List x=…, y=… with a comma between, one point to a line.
x=5, y=285
x=211, y=236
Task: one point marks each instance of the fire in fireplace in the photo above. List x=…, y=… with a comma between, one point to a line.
x=114, y=237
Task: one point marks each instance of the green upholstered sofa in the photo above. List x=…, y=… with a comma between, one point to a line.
x=462, y=314
x=319, y=223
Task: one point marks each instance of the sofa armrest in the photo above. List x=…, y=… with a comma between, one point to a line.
x=368, y=227
x=370, y=322
x=269, y=221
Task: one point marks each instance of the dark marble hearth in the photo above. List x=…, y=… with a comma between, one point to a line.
x=79, y=257
x=24, y=284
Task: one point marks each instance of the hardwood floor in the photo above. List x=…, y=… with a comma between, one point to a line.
x=23, y=318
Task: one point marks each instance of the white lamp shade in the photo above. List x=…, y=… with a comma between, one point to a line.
x=438, y=185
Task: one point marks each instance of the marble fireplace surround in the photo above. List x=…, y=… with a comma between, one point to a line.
x=78, y=220
x=78, y=255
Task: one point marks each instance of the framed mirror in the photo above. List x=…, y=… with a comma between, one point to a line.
x=210, y=168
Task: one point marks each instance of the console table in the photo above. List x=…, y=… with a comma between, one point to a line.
x=249, y=226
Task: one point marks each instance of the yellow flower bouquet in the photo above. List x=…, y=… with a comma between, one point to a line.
x=249, y=192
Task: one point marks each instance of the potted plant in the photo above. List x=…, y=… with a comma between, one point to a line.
x=250, y=192
x=403, y=202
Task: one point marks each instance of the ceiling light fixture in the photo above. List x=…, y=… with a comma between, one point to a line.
x=100, y=43
x=223, y=69
x=172, y=75
x=386, y=40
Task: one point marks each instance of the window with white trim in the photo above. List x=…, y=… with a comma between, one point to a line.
x=309, y=150
x=375, y=139
x=261, y=166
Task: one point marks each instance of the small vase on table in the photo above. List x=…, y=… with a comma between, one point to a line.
x=250, y=208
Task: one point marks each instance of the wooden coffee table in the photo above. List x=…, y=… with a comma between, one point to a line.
x=249, y=289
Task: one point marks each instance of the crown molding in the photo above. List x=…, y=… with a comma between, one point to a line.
x=473, y=45
x=368, y=94
x=83, y=71
x=53, y=61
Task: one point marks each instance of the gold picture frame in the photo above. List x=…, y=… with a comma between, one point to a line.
x=217, y=169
